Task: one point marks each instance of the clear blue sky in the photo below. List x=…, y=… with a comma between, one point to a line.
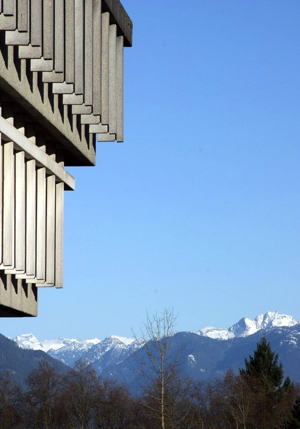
x=199, y=209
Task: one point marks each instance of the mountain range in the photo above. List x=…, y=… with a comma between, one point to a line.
x=201, y=355
x=20, y=362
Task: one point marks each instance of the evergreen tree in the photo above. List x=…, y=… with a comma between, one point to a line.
x=294, y=423
x=264, y=366
x=273, y=396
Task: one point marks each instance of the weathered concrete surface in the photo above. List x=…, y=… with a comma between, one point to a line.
x=61, y=90
x=17, y=298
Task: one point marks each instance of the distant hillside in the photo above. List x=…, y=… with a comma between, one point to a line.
x=204, y=359
x=201, y=355
x=20, y=362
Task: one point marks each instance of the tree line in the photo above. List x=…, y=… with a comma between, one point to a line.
x=259, y=397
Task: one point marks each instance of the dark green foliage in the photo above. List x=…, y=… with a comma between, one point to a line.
x=294, y=422
x=264, y=365
x=272, y=396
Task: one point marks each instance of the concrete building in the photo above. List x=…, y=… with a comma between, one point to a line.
x=61, y=91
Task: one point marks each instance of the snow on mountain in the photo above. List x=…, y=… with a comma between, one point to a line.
x=102, y=354
x=29, y=341
x=273, y=318
x=246, y=326
x=215, y=333
x=107, y=345
x=70, y=350
x=125, y=340
x=114, y=346
x=110, y=352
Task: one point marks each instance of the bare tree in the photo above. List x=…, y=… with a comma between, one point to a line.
x=239, y=399
x=42, y=397
x=157, y=338
x=114, y=407
x=81, y=390
x=10, y=399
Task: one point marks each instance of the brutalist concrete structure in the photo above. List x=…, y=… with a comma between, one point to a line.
x=61, y=91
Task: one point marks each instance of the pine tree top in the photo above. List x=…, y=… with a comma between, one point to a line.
x=264, y=365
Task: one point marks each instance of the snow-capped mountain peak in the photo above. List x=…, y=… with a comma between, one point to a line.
x=244, y=327
x=273, y=318
x=29, y=341
x=70, y=350
x=125, y=340
x=215, y=333
x=101, y=353
x=247, y=326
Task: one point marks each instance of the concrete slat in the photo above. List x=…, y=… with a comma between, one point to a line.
x=120, y=88
x=20, y=212
x=50, y=231
x=59, y=234
x=23, y=15
x=36, y=153
x=9, y=7
x=8, y=205
x=79, y=47
x=31, y=218
x=41, y=226
x=112, y=98
x=104, y=67
x=36, y=22
x=48, y=29
x=70, y=41
x=97, y=57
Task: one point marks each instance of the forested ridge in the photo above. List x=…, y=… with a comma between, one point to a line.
x=258, y=397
